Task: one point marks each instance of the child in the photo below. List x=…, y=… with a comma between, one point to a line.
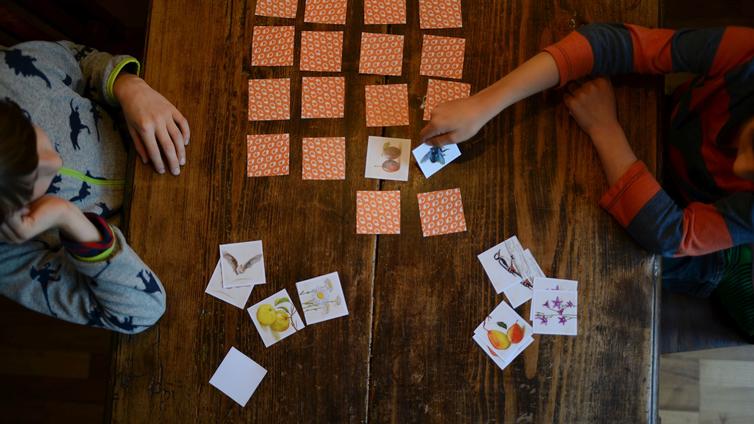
x=704, y=223
x=58, y=255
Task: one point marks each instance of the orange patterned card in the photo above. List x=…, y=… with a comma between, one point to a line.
x=267, y=155
x=440, y=14
x=387, y=105
x=324, y=158
x=326, y=11
x=323, y=97
x=442, y=56
x=269, y=99
x=277, y=8
x=378, y=12
x=381, y=54
x=272, y=46
x=321, y=51
x=441, y=212
x=441, y=91
x=378, y=212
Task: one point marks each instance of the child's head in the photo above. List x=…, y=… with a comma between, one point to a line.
x=743, y=167
x=28, y=162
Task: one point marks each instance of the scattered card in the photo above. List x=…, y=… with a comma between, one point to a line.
x=544, y=283
x=381, y=54
x=384, y=12
x=442, y=56
x=555, y=312
x=238, y=376
x=387, y=158
x=277, y=8
x=503, y=263
x=503, y=334
x=387, y=105
x=322, y=298
x=242, y=264
x=520, y=292
x=324, y=158
x=441, y=212
x=441, y=91
x=267, y=155
x=269, y=99
x=326, y=11
x=440, y=14
x=322, y=97
x=378, y=212
x=321, y=51
x=272, y=46
x=237, y=296
x=432, y=159
x=276, y=318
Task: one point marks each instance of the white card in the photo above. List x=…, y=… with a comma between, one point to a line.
x=276, y=318
x=238, y=376
x=520, y=292
x=502, y=362
x=503, y=262
x=543, y=283
x=388, y=158
x=242, y=264
x=503, y=332
x=555, y=312
x=235, y=296
x=430, y=162
x=322, y=298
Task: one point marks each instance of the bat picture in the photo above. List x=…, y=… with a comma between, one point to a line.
x=237, y=268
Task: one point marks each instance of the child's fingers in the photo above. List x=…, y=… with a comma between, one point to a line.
x=442, y=140
x=153, y=151
x=178, y=141
x=138, y=145
x=182, y=123
x=168, y=150
x=430, y=130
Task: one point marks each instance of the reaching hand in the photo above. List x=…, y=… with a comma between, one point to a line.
x=454, y=122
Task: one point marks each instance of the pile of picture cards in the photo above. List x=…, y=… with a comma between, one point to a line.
x=240, y=268
x=504, y=334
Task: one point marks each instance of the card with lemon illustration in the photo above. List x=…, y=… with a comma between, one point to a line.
x=503, y=335
x=276, y=318
x=322, y=298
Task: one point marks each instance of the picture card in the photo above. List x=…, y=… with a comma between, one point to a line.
x=324, y=158
x=503, y=334
x=543, y=283
x=242, y=264
x=237, y=296
x=277, y=8
x=276, y=318
x=501, y=361
x=387, y=105
x=378, y=212
x=321, y=51
x=322, y=97
x=503, y=263
x=269, y=99
x=520, y=292
x=441, y=212
x=388, y=158
x=384, y=12
x=322, y=298
x=442, y=56
x=272, y=46
x=555, y=312
x=441, y=91
x=381, y=54
x=440, y=14
x=432, y=159
x=326, y=11
x=267, y=155
x=238, y=376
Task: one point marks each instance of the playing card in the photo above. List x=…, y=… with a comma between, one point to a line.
x=324, y=158
x=378, y=212
x=277, y=8
x=238, y=376
x=503, y=334
x=501, y=361
x=520, y=292
x=555, y=312
x=269, y=99
x=441, y=91
x=321, y=51
x=326, y=11
x=543, y=283
x=441, y=212
x=322, y=97
x=242, y=264
x=276, y=318
x=388, y=158
x=432, y=159
x=442, y=56
x=503, y=263
x=267, y=155
x=272, y=46
x=322, y=298
x=235, y=296
x=387, y=105
x=440, y=14
x=381, y=54
x=383, y=12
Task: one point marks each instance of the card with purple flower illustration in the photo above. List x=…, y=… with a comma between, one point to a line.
x=555, y=312
x=543, y=283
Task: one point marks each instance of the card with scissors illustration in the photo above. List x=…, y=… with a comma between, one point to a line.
x=242, y=264
x=504, y=263
x=520, y=292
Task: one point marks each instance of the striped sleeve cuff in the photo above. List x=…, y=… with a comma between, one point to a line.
x=573, y=56
x=93, y=251
x=630, y=193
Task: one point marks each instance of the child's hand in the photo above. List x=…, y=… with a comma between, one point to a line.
x=592, y=105
x=154, y=123
x=46, y=213
x=453, y=122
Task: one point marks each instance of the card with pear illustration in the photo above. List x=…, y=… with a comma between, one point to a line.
x=322, y=298
x=503, y=334
x=276, y=318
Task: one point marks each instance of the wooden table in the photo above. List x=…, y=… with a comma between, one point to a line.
x=405, y=353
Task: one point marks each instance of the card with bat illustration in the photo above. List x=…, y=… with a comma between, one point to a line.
x=236, y=296
x=504, y=263
x=242, y=264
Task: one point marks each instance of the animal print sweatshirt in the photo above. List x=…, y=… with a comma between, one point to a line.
x=67, y=90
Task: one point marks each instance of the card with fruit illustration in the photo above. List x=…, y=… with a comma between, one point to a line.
x=502, y=362
x=555, y=312
x=520, y=292
x=242, y=264
x=504, y=333
x=388, y=158
x=322, y=298
x=276, y=318
x=236, y=296
x=504, y=263
x=432, y=159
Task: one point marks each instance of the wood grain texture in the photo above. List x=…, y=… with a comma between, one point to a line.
x=404, y=354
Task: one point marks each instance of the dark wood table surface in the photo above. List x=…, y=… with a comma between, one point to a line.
x=404, y=353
